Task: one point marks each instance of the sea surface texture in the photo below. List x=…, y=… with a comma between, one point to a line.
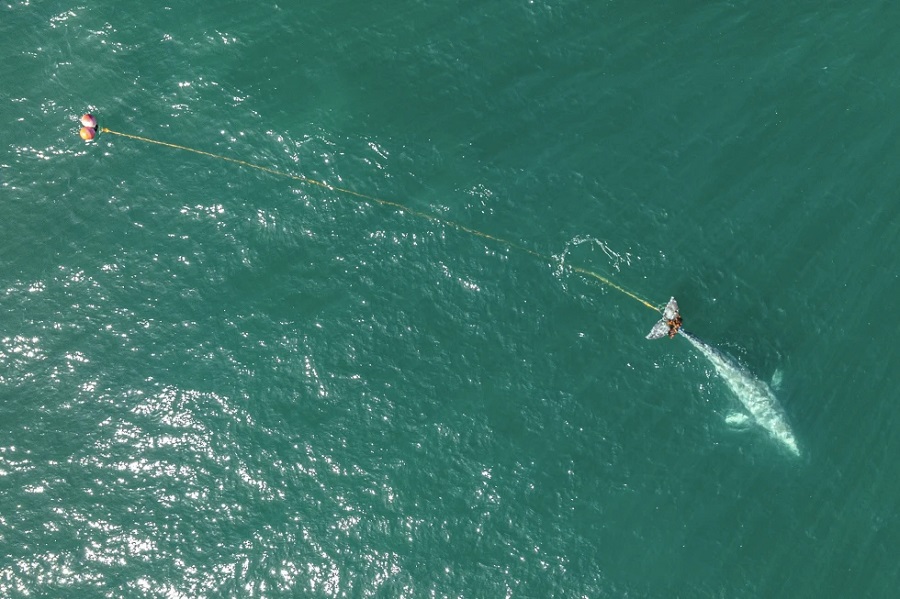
x=222, y=381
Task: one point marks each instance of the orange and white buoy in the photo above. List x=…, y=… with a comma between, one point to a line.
x=88, y=127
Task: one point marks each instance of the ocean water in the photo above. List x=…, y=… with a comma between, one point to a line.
x=220, y=382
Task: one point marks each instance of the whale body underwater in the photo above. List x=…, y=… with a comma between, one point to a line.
x=755, y=395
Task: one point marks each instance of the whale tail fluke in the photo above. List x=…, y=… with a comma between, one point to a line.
x=669, y=324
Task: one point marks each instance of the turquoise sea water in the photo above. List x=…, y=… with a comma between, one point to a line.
x=215, y=382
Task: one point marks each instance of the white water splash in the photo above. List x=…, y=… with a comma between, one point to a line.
x=615, y=259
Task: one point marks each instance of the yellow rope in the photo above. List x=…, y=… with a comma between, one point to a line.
x=398, y=206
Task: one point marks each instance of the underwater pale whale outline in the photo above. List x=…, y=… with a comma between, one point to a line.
x=755, y=395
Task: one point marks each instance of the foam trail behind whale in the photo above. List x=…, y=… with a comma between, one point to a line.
x=754, y=394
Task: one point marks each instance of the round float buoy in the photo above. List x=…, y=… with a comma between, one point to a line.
x=88, y=133
x=88, y=120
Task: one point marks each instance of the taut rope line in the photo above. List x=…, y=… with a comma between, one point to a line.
x=392, y=204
